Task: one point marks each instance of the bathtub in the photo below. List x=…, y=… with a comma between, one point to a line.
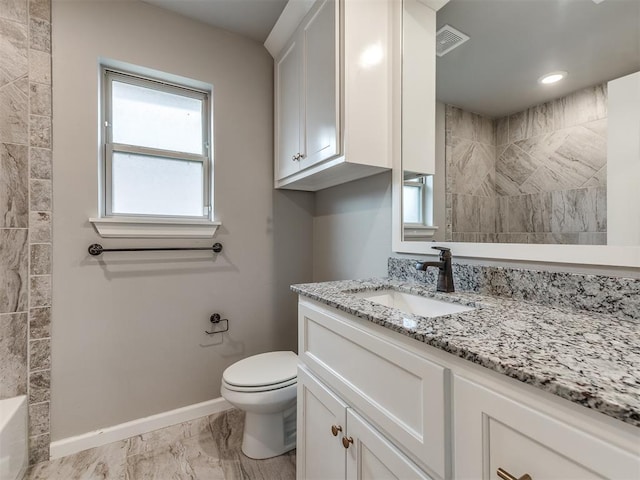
x=13, y=438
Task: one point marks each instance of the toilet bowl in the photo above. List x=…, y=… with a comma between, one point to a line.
x=264, y=386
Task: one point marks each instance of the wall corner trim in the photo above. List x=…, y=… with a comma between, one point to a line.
x=103, y=436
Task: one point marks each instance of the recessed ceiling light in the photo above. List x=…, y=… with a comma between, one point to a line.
x=552, y=77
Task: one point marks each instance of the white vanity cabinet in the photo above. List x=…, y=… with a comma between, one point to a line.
x=494, y=431
x=334, y=89
x=414, y=411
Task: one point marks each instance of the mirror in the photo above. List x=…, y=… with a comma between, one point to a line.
x=517, y=160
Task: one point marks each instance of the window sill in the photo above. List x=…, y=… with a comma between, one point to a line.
x=416, y=231
x=123, y=227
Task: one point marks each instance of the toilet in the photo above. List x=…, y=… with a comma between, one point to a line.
x=264, y=386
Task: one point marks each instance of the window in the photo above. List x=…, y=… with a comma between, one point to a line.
x=417, y=195
x=156, y=151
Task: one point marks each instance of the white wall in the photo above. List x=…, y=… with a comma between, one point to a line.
x=128, y=335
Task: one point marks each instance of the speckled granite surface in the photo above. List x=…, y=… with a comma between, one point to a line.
x=587, y=358
x=618, y=297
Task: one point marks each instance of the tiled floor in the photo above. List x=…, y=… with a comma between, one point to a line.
x=204, y=449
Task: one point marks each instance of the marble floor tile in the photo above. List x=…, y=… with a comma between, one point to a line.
x=208, y=448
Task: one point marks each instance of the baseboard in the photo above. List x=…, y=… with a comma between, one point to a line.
x=97, y=438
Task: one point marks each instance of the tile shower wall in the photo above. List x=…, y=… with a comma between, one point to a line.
x=549, y=182
x=25, y=211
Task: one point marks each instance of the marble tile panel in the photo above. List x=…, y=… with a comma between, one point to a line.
x=22, y=84
x=580, y=107
x=39, y=451
x=40, y=132
x=40, y=34
x=470, y=126
x=13, y=49
x=40, y=9
x=38, y=419
x=40, y=99
x=465, y=237
x=554, y=238
x=39, y=354
x=40, y=160
x=14, y=121
x=513, y=167
x=40, y=195
x=488, y=237
x=599, y=179
x=40, y=254
x=599, y=127
x=544, y=180
x=592, y=238
x=39, y=386
x=531, y=122
x=470, y=161
x=486, y=187
x=13, y=354
x=487, y=212
x=502, y=214
x=502, y=130
x=40, y=291
x=13, y=270
x=39, y=67
x=40, y=227
x=15, y=10
x=40, y=322
x=575, y=210
x=14, y=186
x=512, y=238
x=601, y=209
x=530, y=213
x=465, y=214
x=106, y=463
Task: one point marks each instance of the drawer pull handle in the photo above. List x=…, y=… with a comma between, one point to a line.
x=347, y=441
x=335, y=429
x=504, y=475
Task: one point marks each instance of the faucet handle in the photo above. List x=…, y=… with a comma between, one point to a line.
x=444, y=252
x=442, y=249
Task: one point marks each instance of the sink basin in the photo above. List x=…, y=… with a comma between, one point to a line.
x=410, y=303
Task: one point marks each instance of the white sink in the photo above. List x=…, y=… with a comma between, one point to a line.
x=410, y=303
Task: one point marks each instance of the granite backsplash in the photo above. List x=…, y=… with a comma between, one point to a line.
x=619, y=297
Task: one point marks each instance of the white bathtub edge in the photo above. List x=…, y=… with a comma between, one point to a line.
x=103, y=436
x=13, y=437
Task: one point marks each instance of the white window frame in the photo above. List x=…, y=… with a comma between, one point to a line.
x=110, y=224
x=424, y=229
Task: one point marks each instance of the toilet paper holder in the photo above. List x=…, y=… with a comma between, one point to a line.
x=215, y=320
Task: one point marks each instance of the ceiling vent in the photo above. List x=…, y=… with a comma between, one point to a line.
x=448, y=38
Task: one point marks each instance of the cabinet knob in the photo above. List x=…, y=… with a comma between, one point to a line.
x=347, y=441
x=504, y=475
x=335, y=429
x=297, y=156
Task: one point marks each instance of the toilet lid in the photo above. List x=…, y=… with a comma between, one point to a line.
x=261, y=370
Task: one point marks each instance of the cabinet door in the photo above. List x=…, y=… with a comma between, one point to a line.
x=493, y=431
x=320, y=88
x=372, y=457
x=320, y=454
x=287, y=93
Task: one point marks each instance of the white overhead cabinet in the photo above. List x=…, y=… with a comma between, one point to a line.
x=333, y=90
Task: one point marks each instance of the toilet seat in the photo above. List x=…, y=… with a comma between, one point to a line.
x=263, y=372
x=261, y=388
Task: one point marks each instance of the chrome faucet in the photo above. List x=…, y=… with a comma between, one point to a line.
x=445, y=275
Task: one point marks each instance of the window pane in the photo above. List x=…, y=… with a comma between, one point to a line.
x=156, y=186
x=411, y=204
x=151, y=118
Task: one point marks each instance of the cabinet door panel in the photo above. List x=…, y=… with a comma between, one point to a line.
x=492, y=431
x=372, y=457
x=320, y=85
x=320, y=454
x=287, y=85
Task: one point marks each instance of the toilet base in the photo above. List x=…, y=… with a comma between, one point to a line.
x=268, y=435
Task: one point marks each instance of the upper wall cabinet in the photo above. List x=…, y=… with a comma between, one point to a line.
x=334, y=88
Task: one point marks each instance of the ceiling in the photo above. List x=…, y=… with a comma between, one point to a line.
x=250, y=18
x=514, y=42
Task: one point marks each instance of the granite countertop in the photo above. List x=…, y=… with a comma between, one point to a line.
x=590, y=359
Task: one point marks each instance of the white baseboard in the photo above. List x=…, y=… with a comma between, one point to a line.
x=97, y=438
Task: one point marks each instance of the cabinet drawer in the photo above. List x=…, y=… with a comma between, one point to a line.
x=493, y=431
x=403, y=393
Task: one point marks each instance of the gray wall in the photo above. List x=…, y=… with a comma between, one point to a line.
x=352, y=229
x=25, y=211
x=128, y=329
